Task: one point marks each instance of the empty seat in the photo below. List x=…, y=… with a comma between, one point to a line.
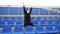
x=13, y=10
x=56, y=22
x=43, y=18
x=49, y=18
x=40, y=30
x=2, y=23
x=29, y=30
x=18, y=30
x=19, y=18
x=3, y=10
x=50, y=30
x=10, y=23
x=12, y=19
x=32, y=18
x=6, y=30
x=38, y=18
x=56, y=18
x=57, y=28
x=19, y=23
x=42, y=22
x=50, y=22
x=6, y=18
x=35, y=22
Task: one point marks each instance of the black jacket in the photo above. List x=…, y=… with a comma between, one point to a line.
x=26, y=15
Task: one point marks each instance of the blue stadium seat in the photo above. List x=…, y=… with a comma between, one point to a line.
x=2, y=23
x=6, y=30
x=50, y=30
x=10, y=23
x=38, y=18
x=29, y=30
x=43, y=22
x=21, y=11
x=43, y=12
x=50, y=22
x=32, y=18
x=3, y=10
x=35, y=22
x=19, y=23
x=56, y=22
x=40, y=30
x=56, y=18
x=18, y=30
x=35, y=11
x=19, y=18
x=52, y=12
x=57, y=28
x=50, y=18
x=12, y=18
x=13, y=10
x=6, y=18
x=44, y=18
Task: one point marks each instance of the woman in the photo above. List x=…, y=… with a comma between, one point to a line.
x=27, y=13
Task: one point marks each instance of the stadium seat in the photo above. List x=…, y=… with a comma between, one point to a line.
x=19, y=18
x=10, y=23
x=50, y=22
x=6, y=18
x=38, y=18
x=32, y=18
x=35, y=11
x=13, y=10
x=2, y=23
x=3, y=10
x=12, y=19
x=35, y=22
x=19, y=23
x=40, y=30
x=57, y=28
x=44, y=18
x=56, y=22
x=18, y=30
x=29, y=30
x=56, y=18
x=21, y=11
x=6, y=30
x=43, y=22
x=49, y=18
x=50, y=30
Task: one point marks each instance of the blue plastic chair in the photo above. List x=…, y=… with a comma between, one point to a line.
x=19, y=23
x=6, y=18
x=50, y=22
x=57, y=28
x=43, y=22
x=40, y=30
x=38, y=18
x=35, y=22
x=6, y=30
x=2, y=23
x=29, y=30
x=18, y=30
x=50, y=30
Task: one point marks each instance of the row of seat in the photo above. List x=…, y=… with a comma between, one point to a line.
x=38, y=21
x=5, y=18
x=31, y=30
x=17, y=10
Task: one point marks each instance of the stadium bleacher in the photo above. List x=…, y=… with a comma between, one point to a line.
x=45, y=21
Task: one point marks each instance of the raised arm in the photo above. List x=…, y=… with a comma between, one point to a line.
x=30, y=10
x=24, y=8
